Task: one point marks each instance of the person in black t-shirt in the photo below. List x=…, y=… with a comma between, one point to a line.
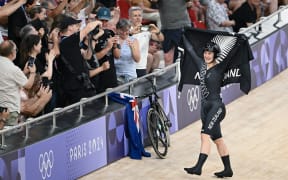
x=245, y=15
x=106, y=49
x=74, y=70
x=87, y=48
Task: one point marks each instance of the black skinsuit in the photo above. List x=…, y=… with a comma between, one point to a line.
x=212, y=108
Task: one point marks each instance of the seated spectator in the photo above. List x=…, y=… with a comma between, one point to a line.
x=245, y=15
x=154, y=56
x=143, y=36
x=4, y=113
x=12, y=79
x=217, y=17
x=129, y=55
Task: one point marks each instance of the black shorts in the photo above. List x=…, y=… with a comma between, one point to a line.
x=172, y=38
x=212, y=113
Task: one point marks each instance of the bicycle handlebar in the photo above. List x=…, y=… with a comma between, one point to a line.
x=154, y=91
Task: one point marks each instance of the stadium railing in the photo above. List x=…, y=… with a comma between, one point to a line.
x=258, y=31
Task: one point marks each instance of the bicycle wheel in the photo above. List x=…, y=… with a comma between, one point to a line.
x=166, y=121
x=157, y=133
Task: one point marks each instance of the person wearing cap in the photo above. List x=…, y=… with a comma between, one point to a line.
x=105, y=14
x=75, y=73
x=106, y=50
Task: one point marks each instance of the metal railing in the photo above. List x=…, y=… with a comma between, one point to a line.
x=127, y=86
x=253, y=31
x=266, y=25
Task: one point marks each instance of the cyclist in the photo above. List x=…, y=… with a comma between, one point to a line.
x=212, y=109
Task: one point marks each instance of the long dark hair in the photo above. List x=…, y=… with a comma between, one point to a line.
x=26, y=47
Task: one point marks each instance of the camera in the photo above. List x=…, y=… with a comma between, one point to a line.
x=84, y=78
x=95, y=31
x=2, y=109
x=31, y=61
x=118, y=46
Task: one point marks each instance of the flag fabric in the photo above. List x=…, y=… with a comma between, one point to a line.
x=234, y=56
x=136, y=148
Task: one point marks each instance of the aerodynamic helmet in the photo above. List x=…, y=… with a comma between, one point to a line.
x=212, y=47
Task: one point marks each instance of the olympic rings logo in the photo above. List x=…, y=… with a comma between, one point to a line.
x=46, y=162
x=193, y=96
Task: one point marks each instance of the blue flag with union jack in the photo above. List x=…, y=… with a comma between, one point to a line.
x=136, y=148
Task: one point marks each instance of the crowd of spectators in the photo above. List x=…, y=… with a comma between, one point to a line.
x=55, y=52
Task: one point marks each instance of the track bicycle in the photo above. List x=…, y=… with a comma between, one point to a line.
x=158, y=124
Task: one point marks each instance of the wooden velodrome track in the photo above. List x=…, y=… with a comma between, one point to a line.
x=256, y=133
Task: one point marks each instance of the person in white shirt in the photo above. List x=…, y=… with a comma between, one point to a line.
x=143, y=36
x=12, y=80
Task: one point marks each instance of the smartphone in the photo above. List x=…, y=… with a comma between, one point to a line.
x=144, y=28
x=45, y=81
x=31, y=61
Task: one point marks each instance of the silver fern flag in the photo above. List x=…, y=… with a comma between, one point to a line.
x=234, y=57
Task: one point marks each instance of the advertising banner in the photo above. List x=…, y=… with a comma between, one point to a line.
x=68, y=155
x=79, y=151
x=117, y=146
x=12, y=165
x=188, y=103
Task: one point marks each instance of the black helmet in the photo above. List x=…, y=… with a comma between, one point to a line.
x=212, y=47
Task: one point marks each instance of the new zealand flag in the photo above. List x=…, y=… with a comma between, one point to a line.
x=136, y=148
x=235, y=54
